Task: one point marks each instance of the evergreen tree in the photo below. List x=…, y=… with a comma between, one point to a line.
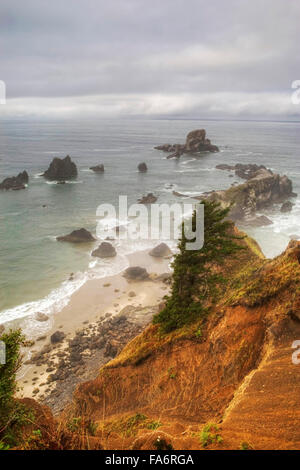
x=196, y=274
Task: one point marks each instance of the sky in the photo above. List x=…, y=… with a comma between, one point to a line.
x=158, y=58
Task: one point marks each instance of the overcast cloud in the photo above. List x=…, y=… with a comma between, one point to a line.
x=217, y=58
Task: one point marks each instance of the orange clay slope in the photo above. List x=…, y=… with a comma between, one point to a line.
x=226, y=383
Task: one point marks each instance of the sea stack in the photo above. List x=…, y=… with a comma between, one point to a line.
x=77, y=236
x=196, y=142
x=15, y=182
x=142, y=167
x=98, y=168
x=61, y=169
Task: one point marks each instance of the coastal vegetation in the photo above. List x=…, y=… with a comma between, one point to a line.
x=197, y=275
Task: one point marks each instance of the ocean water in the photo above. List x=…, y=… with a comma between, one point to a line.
x=34, y=267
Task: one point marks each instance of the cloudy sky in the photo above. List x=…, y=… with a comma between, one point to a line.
x=172, y=58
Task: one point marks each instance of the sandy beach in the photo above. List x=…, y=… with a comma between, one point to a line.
x=95, y=303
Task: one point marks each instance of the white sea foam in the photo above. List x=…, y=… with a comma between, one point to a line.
x=65, y=182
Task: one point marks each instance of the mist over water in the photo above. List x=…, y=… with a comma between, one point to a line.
x=35, y=268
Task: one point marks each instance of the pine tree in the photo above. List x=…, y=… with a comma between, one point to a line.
x=196, y=275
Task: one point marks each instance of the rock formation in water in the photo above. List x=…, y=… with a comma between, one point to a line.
x=287, y=207
x=263, y=189
x=61, y=169
x=244, y=171
x=105, y=250
x=15, y=183
x=149, y=199
x=196, y=142
x=77, y=236
x=142, y=167
x=98, y=168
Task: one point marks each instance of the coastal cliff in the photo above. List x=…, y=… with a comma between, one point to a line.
x=235, y=370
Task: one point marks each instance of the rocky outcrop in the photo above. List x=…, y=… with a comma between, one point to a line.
x=105, y=250
x=57, y=337
x=61, y=169
x=160, y=251
x=196, y=142
x=15, y=182
x=244, y=171
x=261, y=191
x=98, y=168
x=149, y=199
x=287, y=207
x=136, y=273
x=77, y=236
x=142, y=167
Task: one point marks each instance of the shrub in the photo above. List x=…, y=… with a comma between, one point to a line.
x=210, y=435
x=12, y=413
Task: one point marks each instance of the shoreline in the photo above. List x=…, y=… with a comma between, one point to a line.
x=98, y=302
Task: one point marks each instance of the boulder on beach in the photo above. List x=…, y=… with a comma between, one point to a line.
x=77, y=236
x=136, y=273
x=39, y=316
x=105, y=250
x=161, y=251
x=149, y=199
x=57, y=337
x=61, y=169
x=196, y=142
x=15, y=182
x=142, y=167
x=286, y=207
x=98, y=168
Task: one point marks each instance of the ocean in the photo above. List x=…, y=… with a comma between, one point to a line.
x=35, y=268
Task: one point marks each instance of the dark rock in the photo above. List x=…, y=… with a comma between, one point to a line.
x=77, y=236
x=136, y=273
x=160, y=251
x=244, y=171
x=142, y=167
x=196, y=142
x=286, y=207
x=98, y=168
x=57, y=337
x=105, y=250
x=61, y=169
x=15, y=182
x=75, y=357
x=261, y=191
x=149, y=199
x=111, y=348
